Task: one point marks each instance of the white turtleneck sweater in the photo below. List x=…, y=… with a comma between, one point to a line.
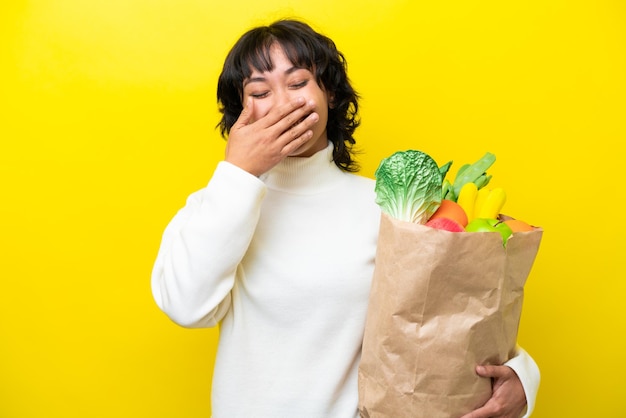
x=284, y=262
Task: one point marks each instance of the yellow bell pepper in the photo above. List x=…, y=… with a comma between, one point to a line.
x=492, y=205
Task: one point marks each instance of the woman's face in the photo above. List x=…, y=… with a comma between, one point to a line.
x=283, y=83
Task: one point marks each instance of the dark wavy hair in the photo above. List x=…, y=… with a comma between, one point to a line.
x=304, y=48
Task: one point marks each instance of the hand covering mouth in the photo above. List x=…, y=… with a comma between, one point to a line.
x=298, y=122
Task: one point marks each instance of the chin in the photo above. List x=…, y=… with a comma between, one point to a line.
x=308, y=149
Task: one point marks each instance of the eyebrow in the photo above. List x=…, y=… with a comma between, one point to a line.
x=262, y=79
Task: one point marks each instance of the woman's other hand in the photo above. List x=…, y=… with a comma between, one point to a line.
x=508, y=399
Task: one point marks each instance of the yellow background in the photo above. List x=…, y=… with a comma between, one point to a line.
x=107, y=123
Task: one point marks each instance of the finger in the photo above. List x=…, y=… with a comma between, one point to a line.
x=298, y=116
x=283, y=117
x=246, y=114
x=484, y=411
x=297, y=142
x=296, y=131
x=493, y=371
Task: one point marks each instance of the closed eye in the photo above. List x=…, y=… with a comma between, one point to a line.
x=299, y=85
x=259, y=95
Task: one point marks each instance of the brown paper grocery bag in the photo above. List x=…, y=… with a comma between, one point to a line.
x=440, y=304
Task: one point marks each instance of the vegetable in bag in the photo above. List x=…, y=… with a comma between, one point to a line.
x=408, y=186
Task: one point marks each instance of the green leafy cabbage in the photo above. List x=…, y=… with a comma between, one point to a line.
x=408, y=186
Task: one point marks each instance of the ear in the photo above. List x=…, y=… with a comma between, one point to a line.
x=331, y=100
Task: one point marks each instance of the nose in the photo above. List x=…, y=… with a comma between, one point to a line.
x=282, y=96
x=278, y=97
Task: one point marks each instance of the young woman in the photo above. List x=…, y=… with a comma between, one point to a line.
x=279, y=247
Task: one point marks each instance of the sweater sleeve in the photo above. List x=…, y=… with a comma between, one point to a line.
x=202, y=246
x=528, y=373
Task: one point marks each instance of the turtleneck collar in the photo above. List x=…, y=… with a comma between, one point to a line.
x=305, y=175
